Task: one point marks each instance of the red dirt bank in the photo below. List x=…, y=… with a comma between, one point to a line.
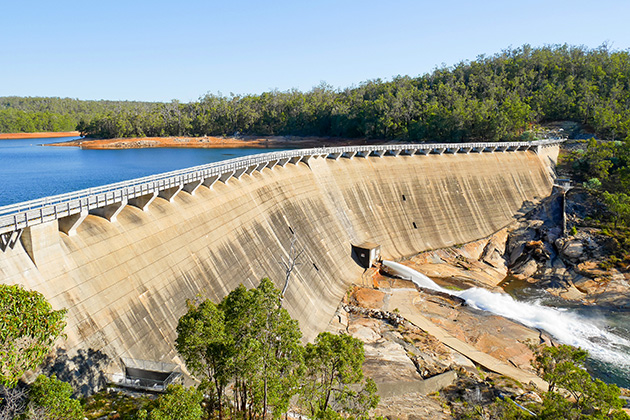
x=13, y=136
x=213, y=142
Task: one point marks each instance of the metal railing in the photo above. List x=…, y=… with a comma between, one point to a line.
x=146, y=384
x=21, y=215
x=128, y=380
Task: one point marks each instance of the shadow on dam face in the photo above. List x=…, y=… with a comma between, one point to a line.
x=84, y=369
x=125, y=283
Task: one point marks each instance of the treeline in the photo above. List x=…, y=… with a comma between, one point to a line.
x=492, y=98
x=603, y=169
x=28, y=115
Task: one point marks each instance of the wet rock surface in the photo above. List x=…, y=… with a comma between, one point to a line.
x=575, y=265
x=413, y=369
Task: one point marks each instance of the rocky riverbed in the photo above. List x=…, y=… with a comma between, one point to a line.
x=417, y=375
x=421, y=377
x=574, y=266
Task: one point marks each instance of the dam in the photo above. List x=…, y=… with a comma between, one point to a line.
x=124, y=258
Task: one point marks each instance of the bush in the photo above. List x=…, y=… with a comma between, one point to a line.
x=51, y=399
x=178, y=403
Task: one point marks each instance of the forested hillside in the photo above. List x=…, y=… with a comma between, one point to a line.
x=492, y=98
x=28, y=115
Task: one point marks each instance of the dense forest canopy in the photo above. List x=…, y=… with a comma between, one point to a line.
x=494, y=98
x=28, y=115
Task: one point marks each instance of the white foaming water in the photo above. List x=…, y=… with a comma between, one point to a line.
x=563, y=325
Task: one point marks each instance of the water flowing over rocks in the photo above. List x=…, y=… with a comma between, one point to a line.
x=413, y=369
x=421, y=377
x=568, y=266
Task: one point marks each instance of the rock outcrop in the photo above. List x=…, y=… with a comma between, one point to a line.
x=573, y=266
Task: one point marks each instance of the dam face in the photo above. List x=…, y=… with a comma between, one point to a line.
x=125, y=282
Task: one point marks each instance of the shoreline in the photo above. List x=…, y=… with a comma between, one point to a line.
x=259, y=142
x=41, y=134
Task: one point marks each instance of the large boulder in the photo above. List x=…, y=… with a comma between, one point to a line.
x=493, y=251
x=365, y=329
x=586, y=285
x=570, y=249
x=551, y=235
x=518, y=240
x=526, y=270
x=369, y=298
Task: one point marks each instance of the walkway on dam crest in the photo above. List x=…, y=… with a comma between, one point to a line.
x=71, y=209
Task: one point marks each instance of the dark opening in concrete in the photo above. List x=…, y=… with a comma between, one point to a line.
x=149, y=375
x=366, y=253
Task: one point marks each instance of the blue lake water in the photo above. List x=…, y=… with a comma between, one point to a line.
x=29, y=170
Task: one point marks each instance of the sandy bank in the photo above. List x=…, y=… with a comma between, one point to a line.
x=44, y=134
x=213, y=142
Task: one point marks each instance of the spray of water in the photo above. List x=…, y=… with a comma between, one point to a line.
x=565, y=326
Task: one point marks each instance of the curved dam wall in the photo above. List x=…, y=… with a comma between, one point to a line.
x=125, y=283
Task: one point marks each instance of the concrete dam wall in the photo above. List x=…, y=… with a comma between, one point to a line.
x=125, y=282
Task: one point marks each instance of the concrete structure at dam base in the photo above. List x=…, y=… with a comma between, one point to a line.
x=124, y=268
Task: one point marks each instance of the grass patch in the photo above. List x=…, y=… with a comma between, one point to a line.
x=115, y=405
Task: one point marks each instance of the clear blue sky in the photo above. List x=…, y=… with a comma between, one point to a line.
x=162, y=50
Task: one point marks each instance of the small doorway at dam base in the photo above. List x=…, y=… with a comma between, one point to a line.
x=366, y=254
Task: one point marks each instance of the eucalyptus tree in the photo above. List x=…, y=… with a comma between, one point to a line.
x=334, y=379
x=202, y=342
x=249, y=341
x=28, y=329
x=267, y=363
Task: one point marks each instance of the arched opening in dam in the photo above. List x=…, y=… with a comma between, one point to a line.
x=127, y=260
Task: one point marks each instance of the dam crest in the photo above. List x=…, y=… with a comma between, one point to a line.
x=124, y=258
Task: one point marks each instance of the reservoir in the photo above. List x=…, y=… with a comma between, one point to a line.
x=29, y=171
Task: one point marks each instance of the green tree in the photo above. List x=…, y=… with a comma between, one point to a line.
x=202, y=342
x=555, y=364
x=592, y=184
x=248, y=340
x=28, y=329
x=563, y=368
x=334, y=370
x=51, y=399
x=178, y=403
x=268, y=362
x=619, y=206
